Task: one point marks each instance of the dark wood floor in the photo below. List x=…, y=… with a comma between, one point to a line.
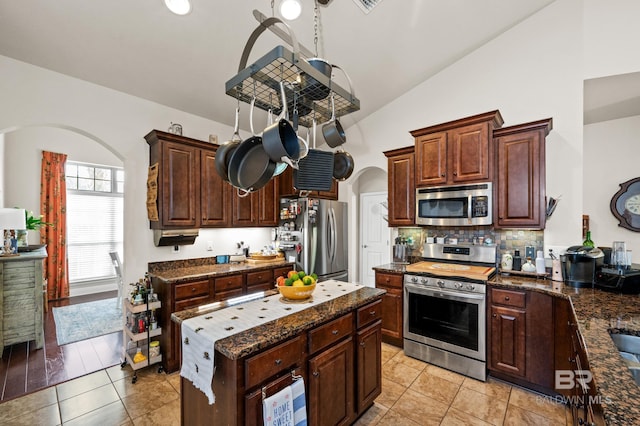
x=25, y=369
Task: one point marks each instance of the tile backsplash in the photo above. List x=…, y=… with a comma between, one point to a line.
x=505, y=239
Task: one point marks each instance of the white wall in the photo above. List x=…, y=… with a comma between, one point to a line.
x=611, y=157
x=531, y=72
x=35, y=97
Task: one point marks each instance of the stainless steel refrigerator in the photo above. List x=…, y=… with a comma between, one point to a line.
x=320, y=237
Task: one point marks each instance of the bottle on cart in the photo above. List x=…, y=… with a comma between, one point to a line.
x=153, y=321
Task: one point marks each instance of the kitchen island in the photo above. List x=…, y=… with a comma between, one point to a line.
x=185, y=284
x=334, y=345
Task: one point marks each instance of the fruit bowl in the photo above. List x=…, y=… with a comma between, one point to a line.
x=297, y=292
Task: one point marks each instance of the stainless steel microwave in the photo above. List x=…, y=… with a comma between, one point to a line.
x=455, y=205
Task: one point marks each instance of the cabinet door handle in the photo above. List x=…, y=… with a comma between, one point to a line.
x=455, y=173
x=315, y=374
x=372, y=313
x=278, y=361
x=362, y=344
x=495, y=315
x=507, y=298
x=334, y=332
x=442, y=175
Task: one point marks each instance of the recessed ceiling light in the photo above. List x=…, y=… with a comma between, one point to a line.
x=290, y=9
x=179, y=7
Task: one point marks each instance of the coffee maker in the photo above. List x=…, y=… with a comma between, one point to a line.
x=617, y=275
x=579, y=265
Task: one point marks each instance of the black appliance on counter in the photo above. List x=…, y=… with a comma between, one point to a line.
x=580, y=264
x=618, y=280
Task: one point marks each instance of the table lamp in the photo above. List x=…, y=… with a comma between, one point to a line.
x=10, y=221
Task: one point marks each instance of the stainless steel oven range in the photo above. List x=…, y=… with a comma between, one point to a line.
x=445, y=307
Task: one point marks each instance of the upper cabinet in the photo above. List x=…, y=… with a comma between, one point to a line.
x=191, y=194
x=401, y=186
x=457, y=151
x=520, y=200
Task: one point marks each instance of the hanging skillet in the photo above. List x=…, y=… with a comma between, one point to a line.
x=280, y=139
x=250, y=167
x=332, y=129
x=224, y=151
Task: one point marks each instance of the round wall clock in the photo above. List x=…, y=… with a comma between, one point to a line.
x=625, y=205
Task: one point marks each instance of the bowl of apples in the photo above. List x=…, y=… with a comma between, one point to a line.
x=297, y=285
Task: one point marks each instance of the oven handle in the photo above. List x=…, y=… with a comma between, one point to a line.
x=435, y=293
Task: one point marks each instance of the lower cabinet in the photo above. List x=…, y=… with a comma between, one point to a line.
x=331, y=387
x=519, y=323
x=340, y=362
x=392, y=301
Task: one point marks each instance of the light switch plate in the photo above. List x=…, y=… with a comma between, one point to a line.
x=209, y=245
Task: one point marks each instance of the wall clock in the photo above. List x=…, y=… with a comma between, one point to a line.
x=625, y=205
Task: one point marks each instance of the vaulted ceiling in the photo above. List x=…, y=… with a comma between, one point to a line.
x=140, y=48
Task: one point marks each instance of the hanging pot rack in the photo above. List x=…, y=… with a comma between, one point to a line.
x=262, y=78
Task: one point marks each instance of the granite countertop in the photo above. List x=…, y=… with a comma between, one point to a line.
x=257, y=338
x=190, y=271
x=599, y=313
x=394, y=268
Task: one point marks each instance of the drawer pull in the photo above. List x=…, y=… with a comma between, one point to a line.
x=372, y=313
x=507, y=298
x=362, y=344
x=278, y=361
x=334, y=332
x=387, y=280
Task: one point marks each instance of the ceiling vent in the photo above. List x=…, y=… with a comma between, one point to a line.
x=367, y=5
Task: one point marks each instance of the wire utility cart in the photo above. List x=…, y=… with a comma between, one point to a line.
x=138, y=330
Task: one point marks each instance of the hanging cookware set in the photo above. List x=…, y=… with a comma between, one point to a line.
x=249, y=164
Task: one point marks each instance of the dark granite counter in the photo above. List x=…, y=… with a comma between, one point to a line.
x=175, y=272
x=599, y=313
x=394, y=268
x=257, y=338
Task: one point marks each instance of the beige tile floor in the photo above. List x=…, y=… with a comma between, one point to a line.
x=413, y=393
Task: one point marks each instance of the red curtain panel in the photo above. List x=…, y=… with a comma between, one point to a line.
x=53, y=206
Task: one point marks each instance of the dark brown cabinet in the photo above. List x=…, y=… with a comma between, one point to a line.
x=331, y=390
x=178, y=166
x=191, y=194
x=287, y=190
x=340, y=361
x=520, y=349
x=457, y=151
x=215, y=193
x=401, y=186
x=520, y=190
x=392, y=305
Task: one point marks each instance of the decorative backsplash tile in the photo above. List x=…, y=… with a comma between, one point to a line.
x=506, y=240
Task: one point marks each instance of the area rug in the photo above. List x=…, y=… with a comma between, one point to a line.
x=86, y=320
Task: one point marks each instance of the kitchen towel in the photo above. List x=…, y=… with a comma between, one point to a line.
x=277, y=410
x=299, y=403
x=200, y=334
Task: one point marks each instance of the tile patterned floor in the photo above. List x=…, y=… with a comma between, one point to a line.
x=413, y=393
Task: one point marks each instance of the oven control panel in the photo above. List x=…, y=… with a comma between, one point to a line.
x=445, y=284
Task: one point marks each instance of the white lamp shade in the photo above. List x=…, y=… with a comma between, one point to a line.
x=13, y=219
x=290, y=9
x=179, y=7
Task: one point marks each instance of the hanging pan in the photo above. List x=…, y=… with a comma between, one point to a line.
x=250, y=167
x=342, y=165
x=315, y=171
x=332, y=130
x=224, y=151
x=279, y=139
